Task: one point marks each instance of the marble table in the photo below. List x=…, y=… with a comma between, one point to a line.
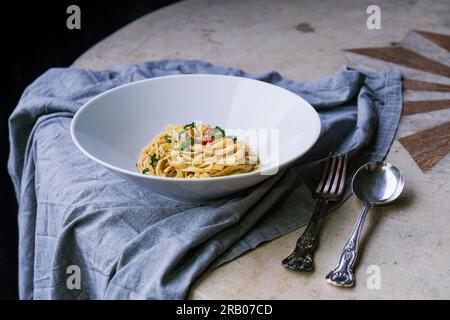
x=407, y=242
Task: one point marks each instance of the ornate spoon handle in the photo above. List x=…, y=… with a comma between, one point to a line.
x=342, y=274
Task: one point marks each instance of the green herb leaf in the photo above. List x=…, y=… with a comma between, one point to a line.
x=189, y=126
x=168, y=139
x=154, y=159
x=219, y=129
x=234, y=138
x=145, y=170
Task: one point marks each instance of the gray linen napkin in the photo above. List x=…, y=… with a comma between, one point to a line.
x=129, y=243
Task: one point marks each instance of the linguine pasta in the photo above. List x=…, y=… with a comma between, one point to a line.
x=195, y=150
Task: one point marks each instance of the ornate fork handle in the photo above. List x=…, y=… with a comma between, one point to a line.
x=302, y=257
x=342, y=275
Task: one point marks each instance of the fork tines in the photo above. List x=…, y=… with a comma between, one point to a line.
x=331, y=184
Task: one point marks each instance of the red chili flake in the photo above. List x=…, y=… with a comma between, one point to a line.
x=207, y=140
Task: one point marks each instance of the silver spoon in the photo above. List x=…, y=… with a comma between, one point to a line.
x=377, y=182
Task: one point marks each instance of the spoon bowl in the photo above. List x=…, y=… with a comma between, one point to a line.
x=378, y=182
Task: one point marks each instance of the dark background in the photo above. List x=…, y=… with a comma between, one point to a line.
x=34, y=39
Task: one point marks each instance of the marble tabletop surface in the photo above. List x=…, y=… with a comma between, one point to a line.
x=407, y=243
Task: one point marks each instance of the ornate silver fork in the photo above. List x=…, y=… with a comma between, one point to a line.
x=329, y=188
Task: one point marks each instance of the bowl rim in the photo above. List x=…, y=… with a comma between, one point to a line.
x=209, y=179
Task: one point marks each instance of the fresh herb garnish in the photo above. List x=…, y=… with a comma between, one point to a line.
x=145, y=170
x=168, y=139
x=218, y=132
x=154, y=159
x=219, y=129
x=234, y=138
x=189, y=126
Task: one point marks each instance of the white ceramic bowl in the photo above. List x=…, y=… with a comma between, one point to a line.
x=113, y=127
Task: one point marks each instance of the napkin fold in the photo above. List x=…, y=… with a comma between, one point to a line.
x=128, y=243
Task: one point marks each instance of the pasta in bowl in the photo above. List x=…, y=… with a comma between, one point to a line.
x=196, y=150
x=192, y=161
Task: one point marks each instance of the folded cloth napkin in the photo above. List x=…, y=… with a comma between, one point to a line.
x=128, y=243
